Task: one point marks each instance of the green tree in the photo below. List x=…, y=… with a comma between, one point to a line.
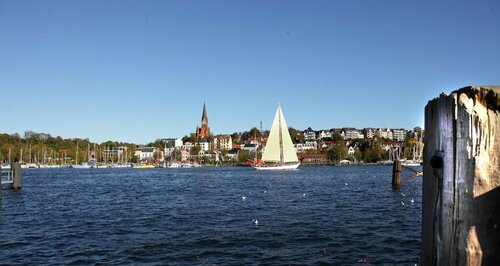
x=336, y=153
x=235, y=137
x=243, y=156
x=254, y=132
x=195, y=150
x=191, y=138
x=409, y=145
x=336, y=136
x=297, y=136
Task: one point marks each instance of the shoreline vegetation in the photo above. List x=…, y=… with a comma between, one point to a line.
x=41, y=150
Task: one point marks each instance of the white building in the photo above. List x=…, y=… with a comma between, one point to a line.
x=399, y=134
x=325, y=134
x=222, y=142
x=173, y=143
x=369, y=133
x=309, y=145
x=251, y=148
x=384, y=133
x=187, y=146
x=204, y=144
x=351, y=151
x=309, y=134
x=147, y=153
x=352, y=133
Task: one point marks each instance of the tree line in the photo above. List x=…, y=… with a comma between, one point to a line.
x=35, y=147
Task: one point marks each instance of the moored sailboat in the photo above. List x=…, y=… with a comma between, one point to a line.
x=279, y=153
x=76, y=165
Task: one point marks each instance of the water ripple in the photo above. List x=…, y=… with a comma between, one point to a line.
x=316, y=215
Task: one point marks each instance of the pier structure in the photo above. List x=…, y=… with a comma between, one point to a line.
x=11, y=176
x=397, y=168
x=461, y=183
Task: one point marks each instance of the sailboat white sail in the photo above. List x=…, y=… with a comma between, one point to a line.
x=279, y=152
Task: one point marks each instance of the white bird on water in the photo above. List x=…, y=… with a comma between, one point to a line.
x=243, y=197
x=412, y=201
x=255, y=221
x=345, y=184
x=402, y=203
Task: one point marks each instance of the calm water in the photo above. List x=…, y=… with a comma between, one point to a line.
x=333, y=215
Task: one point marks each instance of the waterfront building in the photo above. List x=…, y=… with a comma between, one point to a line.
x=303, y=147
x=147, y=153
x=351, y=151
x=204, y=144
x=173, y=143
x=351, y=133
x=187, y=146
x=309, y=134
x=221, y=142
x=204, y=130
x=232, y=154
x=323, y=134
x=369, y=133
x=251, y=148
x=185, y=155
x=313, y=159
x=384, y=133
x=399, y=134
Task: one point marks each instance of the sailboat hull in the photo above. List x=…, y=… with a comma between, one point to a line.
x=278, y=167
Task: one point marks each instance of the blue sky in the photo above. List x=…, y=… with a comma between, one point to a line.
x=139, y=70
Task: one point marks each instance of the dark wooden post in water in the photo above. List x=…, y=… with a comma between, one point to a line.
x=16, y=178
x=461, y=185
x=396, y=174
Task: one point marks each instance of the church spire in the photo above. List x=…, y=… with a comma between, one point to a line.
x=204, y=117
x=203, y=131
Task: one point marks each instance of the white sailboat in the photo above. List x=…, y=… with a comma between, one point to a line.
x=279, y=153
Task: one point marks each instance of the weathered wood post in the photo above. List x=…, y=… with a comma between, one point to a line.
x=16, y=178
x=396, y=174
x=461, y=186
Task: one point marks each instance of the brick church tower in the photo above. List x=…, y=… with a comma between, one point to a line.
x=204, y=130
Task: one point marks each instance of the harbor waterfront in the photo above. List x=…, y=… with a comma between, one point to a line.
x=218, y=215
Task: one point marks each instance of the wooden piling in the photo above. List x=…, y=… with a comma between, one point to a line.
x=16, y=178
x=461, y=184
x=396, y=174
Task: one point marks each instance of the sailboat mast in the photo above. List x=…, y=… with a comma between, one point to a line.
x=76, y=153
x=280, y=136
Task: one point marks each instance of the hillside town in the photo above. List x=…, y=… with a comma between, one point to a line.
x=313, y=146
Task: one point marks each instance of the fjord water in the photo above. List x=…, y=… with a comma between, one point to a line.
x=333, y=215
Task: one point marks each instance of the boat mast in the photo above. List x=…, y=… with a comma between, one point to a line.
x=76, y=153
x=280, y=135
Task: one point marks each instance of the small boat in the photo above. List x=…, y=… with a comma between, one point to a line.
x=411, y=163
x=5, y=166
x=279, y=153
x=143, y=166
x=174, y=165
x=80, y=166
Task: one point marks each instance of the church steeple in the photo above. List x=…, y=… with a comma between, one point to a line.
x=204, y=117
x=204, y=130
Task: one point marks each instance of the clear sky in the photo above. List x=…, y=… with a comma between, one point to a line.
x=136, y=71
